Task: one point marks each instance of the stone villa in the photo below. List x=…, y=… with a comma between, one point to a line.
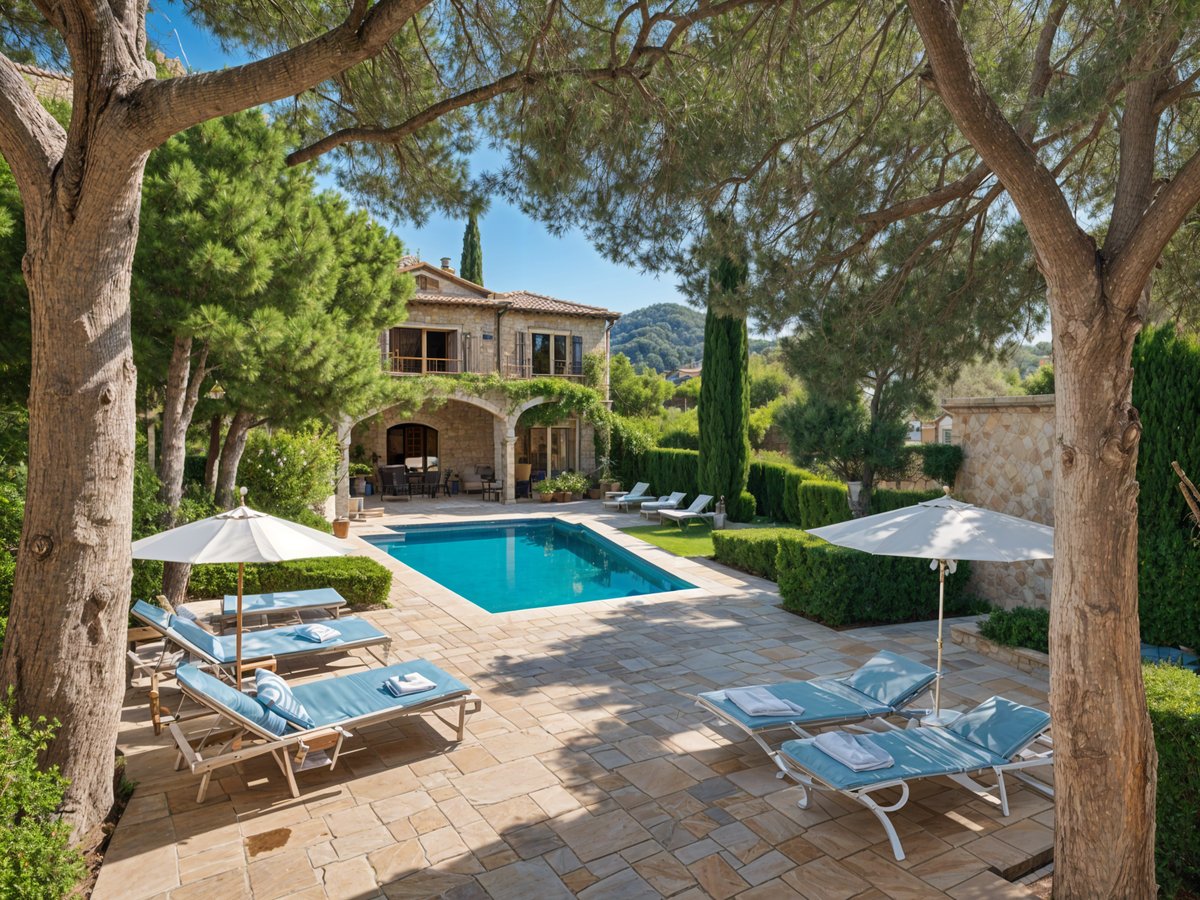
x=456, y=326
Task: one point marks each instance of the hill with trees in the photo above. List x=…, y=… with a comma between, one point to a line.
x=665, y=336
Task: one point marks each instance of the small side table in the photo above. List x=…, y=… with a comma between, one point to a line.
x=491, y=490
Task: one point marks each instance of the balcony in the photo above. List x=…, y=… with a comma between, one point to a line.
x=398, y=364
x=515, y=369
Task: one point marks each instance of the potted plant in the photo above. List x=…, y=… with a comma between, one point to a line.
x=607, y=484
x=358, y=478
x=545, y=490
x=574, y=483
x=596, y=491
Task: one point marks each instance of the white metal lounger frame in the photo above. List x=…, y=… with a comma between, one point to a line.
x=231, y=750
x=1025, y=758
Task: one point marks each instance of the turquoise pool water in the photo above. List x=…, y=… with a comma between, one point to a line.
x=525, y=563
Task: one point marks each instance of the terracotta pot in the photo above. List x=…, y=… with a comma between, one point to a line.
x=612, y=486
x=341, y=528
x=595, y=494
x=546, y=496
x=562, y=496
x=578, y=496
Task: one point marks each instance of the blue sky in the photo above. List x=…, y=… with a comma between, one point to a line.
x=517, y=252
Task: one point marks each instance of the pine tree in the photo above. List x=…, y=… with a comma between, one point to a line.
x=471, y=264
x=724, y=408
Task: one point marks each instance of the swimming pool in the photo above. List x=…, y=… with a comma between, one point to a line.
x=503, y=566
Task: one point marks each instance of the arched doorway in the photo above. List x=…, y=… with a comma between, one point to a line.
x=412, y=445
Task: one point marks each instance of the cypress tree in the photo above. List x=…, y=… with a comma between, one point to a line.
x=471, y=264
x=724, y=407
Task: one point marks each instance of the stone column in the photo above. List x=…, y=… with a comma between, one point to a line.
x=341, y=502
x=510, y=465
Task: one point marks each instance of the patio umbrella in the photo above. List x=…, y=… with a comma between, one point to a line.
x=943, y=530
x=241, y=535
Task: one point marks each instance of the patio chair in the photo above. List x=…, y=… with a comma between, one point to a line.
x=637, y=495
x=682, y=516
x=997, y=736
x=283, y=603
x=651, y=508
x=884, y=685
x=1172, y=655
x=334, y=705
x=263, y=648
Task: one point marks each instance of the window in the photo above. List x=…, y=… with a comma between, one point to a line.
x=549, y=450
x=946, y=433
x=425, y=283
x=551, y=354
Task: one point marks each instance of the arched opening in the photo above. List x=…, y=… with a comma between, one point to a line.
x=547, y=449
x=413, y=446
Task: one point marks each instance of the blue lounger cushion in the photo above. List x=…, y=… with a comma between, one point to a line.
x=888, y=681
x=1001, y=726
x=282, y=601
x=918, y=753
x=347, y=697
x=151, y=613
x=232, y=699
x=823, y=701
x=890, y=678
x=286, y=642
x=205, y=641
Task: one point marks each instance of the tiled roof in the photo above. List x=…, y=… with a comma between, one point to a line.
x=519, y=300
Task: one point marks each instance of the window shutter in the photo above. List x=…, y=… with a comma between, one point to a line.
x=576, y=354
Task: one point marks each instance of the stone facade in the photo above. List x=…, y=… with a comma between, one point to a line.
x=1008, y=445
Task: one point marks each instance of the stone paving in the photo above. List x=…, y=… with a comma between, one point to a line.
x=588, y=772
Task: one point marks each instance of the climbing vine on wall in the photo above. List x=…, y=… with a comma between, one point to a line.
x=563, y=398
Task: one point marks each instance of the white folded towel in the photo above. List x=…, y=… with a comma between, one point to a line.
x=412, y=683
x=759, y=701
x=318, y=634
x=854, y=751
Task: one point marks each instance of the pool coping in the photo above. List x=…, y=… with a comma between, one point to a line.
x=471, y=615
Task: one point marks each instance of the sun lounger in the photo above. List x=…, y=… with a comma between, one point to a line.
x=258, y=647
x=997, y=736
x=636, y=496
x=282, y=603
x=652, y=508
x=682, y=516
x=883, y=686
x=335, y=705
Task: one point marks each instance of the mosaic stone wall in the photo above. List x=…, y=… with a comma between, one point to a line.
x=1007, y=466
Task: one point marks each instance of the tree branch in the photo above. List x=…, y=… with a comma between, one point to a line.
x=1056, y=236
x=30, y=139
x=159, y=109
x=1130, y=269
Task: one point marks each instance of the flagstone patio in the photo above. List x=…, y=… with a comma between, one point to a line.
x=588, y=772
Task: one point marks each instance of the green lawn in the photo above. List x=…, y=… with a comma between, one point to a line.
x=694, y=540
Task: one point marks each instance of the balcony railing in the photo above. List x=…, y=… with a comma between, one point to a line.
x=423, y=365
x=517, y=370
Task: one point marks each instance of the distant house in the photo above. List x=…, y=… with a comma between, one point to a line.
x=936, y=431
x=455, y=326
x=685, y=373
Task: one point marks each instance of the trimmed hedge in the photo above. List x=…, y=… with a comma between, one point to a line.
x=820, y=503
x=1173, y=699
x=838, y=586
x=1020, y=627
x=363, y=582
x=941, y=462
x=766, y=482
x=669, y=471
x=752, y=550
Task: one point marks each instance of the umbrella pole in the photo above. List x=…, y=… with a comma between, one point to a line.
x=937, y=688
x=241, y=574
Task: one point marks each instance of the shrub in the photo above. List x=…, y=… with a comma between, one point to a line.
x=193, y=468
x=623, y=442
x=820, y=503
x=363, y=582
x=36, y=858
x=884, y=500
x=740, y=508
x=838, y=586
x=1166, y=392
x=1021, y=627
x=767, y=481
x=286, y=472
x=941, y=462
x=1173, y=699
x=751, y=550
x=670, y=470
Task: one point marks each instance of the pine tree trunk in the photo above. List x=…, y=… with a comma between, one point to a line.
x=64, y=647
x=1105, y=764
x=179, y=403
x=231, y=457
x=214, y=453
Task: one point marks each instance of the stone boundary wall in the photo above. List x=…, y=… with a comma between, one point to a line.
x=1008, y=445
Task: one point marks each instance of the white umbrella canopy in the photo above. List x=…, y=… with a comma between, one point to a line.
x=241, y=535
x=943, y=530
